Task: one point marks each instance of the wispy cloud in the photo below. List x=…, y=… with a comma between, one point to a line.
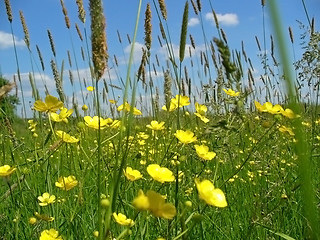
x=6, y=41
x=193, y=22
x=228, y=19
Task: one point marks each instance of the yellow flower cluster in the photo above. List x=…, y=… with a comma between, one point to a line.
x=178, y=101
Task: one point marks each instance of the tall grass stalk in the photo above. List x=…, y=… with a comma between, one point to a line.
x=303, y=149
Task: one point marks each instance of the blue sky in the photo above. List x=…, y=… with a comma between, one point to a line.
x=240, y=19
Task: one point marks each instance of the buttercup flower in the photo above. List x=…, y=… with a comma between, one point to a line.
x=90, y=89
x=94, y=122
x=160, y=174
x=201, y=109
x=185, y=137
x=211, y=195
x=172, y=107
x=66, y=183
x=285, y=129
x=51, y=234
x=127, y=108
x=6, y=170
x=158, y=207
x=122, y=219
x=141, y=202
x=155, y=203
x=84, y=107
x=66, y=137
x=156, y=126
x=203, y=152
x=268, y=107
x=62, y=116
x=181, y=101
x=202, y=117
x=46, y=199
x=50, y=104
x=231, y=92
x=288, y=113
x=131, y=174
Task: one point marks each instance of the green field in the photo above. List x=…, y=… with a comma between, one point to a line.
x=233, y=160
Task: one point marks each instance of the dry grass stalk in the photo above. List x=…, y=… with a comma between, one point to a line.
x=65, y=13
x=163, y=9
x=128, y=37
x=115, y=60
x=167, y=89
x=79, y=32
x=141, y=70
x=258, y=43
x=263, y=3
x=25, y=30
x=83, y=54
x=69, y=58
x=216, y=21
x=192, y=41
x=199, y=5
x=9, y=11
x=195, y=9
x=183, y=35
x=119, y=37
x=148, y=28
x=40, y=57
x=98, y=38
x=163, y=33
x=53, y=49
x=81, y=12
x=224, y=36
x=58, y=80
x=71, y=77
x=291, y=35
x=5, y=89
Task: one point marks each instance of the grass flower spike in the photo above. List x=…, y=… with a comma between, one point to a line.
x=160, y=174
x=51, y=234
x=211, y=195
x=46, y=199
x=185, y=137
x=66, y=183
x=50, y=104
x=132, y=175
x=6, y=170
x=122, y=219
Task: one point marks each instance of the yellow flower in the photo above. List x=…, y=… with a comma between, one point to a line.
x=201, y=109
x=285, y=129
x=131, y=174
x=231, y=93
x=268, y=107
x=181, y=100
x=112, y=101
x=203, y=152
x=51, y=234
x=159, y=208
x=141, y=202
x=203, y=118
x=288, y=113
x=66, y=183
x=156, y=126
x=126, y=107
x=46, y=199
x=122, y=219
x=66, y=137
x=32, y=220
x=84, y=107
x=90, y=89
x=50, y=104
x=94, y=122
x=62, y=116
x=185, y=136
x=160, y=174
x=211, y=195
x=6, y=170
x=172, y=107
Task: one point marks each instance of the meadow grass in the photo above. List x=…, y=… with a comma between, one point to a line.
x=229, y=158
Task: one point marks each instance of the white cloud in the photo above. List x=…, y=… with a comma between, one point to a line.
x=193, y=22
x=7, y=42
x=228, y=19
